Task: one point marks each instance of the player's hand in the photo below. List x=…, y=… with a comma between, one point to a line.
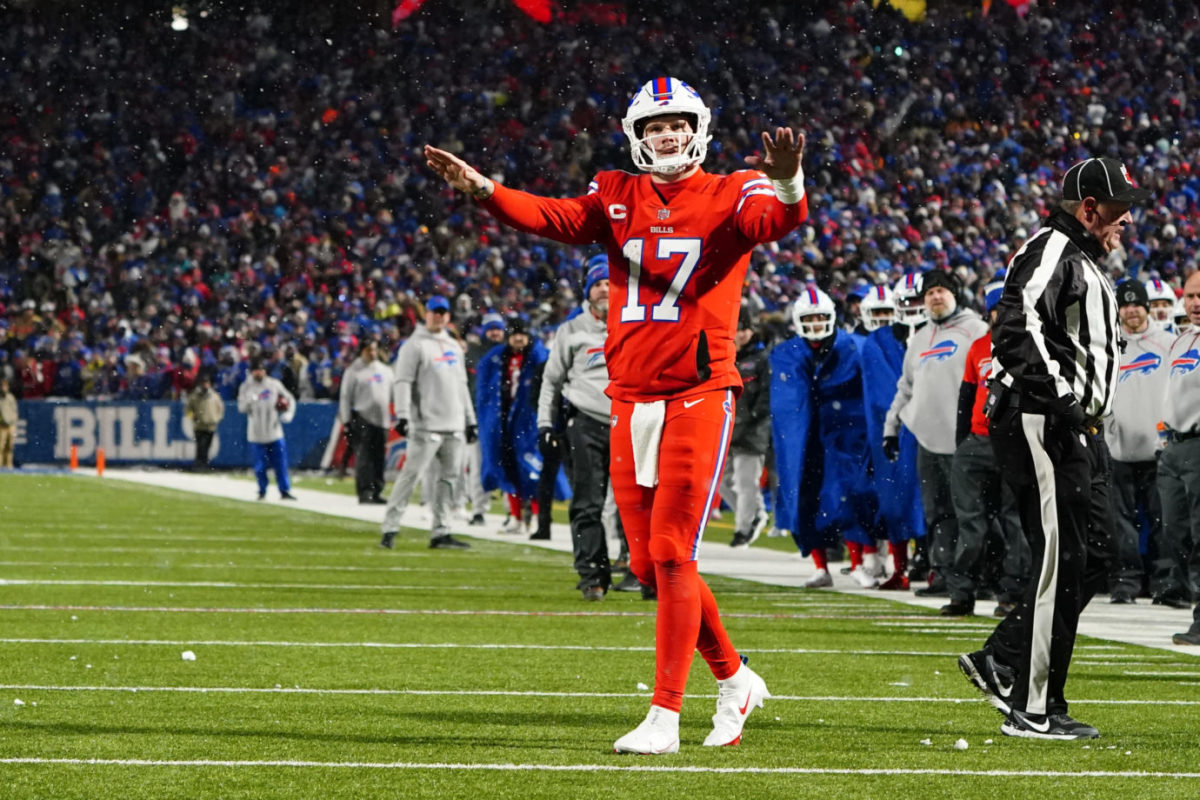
x=782, y=154
x=281, y=404
x=472, y=434
x=458, y=173
x=547, y=442
x=402, y=427
x=891, y=448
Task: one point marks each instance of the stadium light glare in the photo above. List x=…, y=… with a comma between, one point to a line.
x=179, y=20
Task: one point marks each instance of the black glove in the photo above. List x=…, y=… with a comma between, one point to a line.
x=1077, y=419
x=547, y=442
x=472, y=434
x=891, y=447
x=402, y=427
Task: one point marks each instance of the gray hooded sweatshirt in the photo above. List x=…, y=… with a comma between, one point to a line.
x=576, y=367
x=430, y=390
x=926, y=398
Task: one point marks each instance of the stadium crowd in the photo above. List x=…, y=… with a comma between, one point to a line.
x=178, y=201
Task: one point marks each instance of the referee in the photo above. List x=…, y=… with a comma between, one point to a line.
x=1056, y=352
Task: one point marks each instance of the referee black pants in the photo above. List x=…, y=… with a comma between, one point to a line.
x=1059, y=477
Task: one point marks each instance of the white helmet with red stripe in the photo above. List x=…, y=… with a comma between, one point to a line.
x=878, y=308
x=1162, y=302
x=1183, y=320
x=814, y=315
x=658, y=97
x=910, y=303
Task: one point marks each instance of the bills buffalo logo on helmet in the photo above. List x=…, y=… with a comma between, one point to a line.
x=1142, y=365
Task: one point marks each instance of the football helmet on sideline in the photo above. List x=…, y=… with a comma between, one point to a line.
x=878, y=308
x=814, y=315
x=910, y=304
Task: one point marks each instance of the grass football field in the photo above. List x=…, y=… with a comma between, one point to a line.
x=326, y=667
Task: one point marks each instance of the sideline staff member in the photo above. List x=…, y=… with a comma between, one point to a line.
x=1055, y=351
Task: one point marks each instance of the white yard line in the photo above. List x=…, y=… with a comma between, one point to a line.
x=436, y=612
x=615, y=767
x=511, y=693
x=447, y=646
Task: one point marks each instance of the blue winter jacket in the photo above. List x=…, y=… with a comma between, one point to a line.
x=820, y=436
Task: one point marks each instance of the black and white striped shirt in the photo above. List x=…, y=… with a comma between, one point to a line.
x=1056, y=338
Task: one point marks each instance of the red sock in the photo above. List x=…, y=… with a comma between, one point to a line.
x=533, y=507
x=714, y=645
x=514, y=505
x=899, y=553
x=868, y=549
x=676, y=631
x=818, y=557
x=855, y=550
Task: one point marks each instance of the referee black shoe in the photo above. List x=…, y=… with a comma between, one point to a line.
x=1046, y=726
x=990, y=677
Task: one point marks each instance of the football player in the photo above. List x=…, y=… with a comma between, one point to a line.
x=679, y=241
x=820, y=431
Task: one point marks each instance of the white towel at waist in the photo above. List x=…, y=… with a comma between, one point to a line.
x=645, y=431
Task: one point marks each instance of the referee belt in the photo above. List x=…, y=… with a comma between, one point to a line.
x=1182, y=436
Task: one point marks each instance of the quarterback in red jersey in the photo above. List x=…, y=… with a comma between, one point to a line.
x=679, y=242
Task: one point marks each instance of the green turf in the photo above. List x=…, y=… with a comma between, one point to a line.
x=316, y=646
x=719, y=530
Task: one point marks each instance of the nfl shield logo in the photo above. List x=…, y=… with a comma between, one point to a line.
x=663, y=213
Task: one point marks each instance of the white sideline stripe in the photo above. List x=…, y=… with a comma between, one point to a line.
x=1163, y=674
x=483, y=612
x=512, y=693
x=254, y=567
x=346, y=538
x=410, y=765
x=236, y=585
x=451, y=646
x=268, y=548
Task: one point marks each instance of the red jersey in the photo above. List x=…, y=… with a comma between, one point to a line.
x=977, y=371
x=678, y=255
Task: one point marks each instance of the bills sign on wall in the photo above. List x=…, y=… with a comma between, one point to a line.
x=156, y=433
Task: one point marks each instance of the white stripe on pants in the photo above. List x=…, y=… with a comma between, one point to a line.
x=1043, y=610
x=424, y=449
x=740, y=488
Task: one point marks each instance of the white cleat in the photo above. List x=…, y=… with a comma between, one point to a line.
x=736, y=698
x=658, y=734
x=864, y=578
x=821, y=579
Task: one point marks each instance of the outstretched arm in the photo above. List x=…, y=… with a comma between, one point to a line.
x=572, y=220
x=458, y=173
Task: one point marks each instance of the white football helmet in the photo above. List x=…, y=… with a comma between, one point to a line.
x=661, y=96
x=814, y=315
x=1162, y=302
x=910, y=303
x=1183, y=322
x=878, y=308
